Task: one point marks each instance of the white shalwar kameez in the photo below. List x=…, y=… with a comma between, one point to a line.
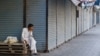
x=28, y=36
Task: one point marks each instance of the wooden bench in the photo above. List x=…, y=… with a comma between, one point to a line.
x=15, y=49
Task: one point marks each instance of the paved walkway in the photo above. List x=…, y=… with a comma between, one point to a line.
x=88, y=44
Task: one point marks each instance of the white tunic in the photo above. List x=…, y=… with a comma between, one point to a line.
x=28, y=36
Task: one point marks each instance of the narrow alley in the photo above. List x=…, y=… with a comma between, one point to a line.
x=87, y=44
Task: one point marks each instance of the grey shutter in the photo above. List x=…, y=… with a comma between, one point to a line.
x=85, y=20
x=11, y=18
x=73, y=16
x=80, y=20
x=60, y=22
x=52, y=24
x=36, y=14
x=68, y=19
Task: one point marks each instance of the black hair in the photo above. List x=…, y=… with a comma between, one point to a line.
x=30, y=25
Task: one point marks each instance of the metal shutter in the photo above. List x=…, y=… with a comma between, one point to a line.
x=36, y=14
x=73, y=16
x=60, y=22
x=88, y=19
x=85, y=20
x=68, y=19
x=80, y=21
x=52, y=24
x=11, y=18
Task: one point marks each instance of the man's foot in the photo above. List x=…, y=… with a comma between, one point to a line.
x=35, y=54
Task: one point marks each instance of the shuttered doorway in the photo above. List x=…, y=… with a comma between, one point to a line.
x=11, y=18
x=36, y=14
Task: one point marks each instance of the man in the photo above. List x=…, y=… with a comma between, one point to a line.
x=27, y=38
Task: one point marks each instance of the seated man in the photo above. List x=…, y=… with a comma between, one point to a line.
x=27, y=38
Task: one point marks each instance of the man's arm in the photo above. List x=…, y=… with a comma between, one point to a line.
x=23, y=37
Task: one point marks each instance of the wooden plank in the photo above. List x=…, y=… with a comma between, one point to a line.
x=17, y=48
x=4, y=48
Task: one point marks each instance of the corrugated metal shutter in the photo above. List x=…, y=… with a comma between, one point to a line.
x=68, y=19
x=94, y=17
x=80, y=20
x=85, y=20
x=91, y=17
x=88, y=19
x=97, y=17
x=11, y=18
x=60, y=22
x=36, y=14
x=73, y=16
x=52, y=24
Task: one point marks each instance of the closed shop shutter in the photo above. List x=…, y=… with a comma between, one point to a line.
x=91, y=16
x=85, y=20
x=36, y=14
x=88, y=19
x=11, y=18
x=80, y=20
x=68, y=19
x=60, y=22
x=52, y=24
x=73, y=16
x=94, y=18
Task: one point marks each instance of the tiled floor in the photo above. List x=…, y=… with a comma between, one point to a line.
x=87, y=44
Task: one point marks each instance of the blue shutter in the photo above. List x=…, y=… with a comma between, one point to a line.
x=36, y=14
x=11, y=18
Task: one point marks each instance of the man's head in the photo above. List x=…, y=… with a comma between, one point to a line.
x=30, y=27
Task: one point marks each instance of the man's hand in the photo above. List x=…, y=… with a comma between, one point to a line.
x=25, y=46
x=25, y=42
